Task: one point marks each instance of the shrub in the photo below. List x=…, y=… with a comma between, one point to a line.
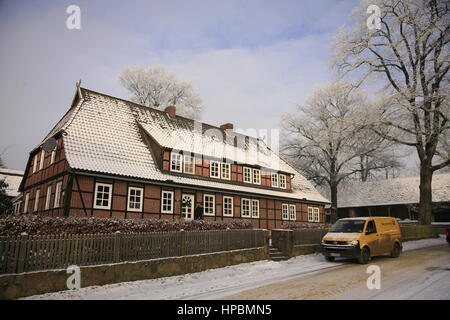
x=34, y=225
x=305, y=225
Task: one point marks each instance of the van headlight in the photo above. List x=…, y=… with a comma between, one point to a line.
x=353, y=242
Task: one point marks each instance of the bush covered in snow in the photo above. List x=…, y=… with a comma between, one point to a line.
x=305, y=225
x=34, y=224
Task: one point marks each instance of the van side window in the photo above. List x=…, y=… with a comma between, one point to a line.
x=371, y=227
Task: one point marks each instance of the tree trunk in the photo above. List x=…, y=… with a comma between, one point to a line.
x=425, y=202
x=333, y=189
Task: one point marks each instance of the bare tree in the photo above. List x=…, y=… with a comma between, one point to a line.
x=324, y=139
x=410, y=54
x=155, y=87
x=5, y=201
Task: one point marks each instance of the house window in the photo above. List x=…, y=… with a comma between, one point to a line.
x=167, y=202
x=292, y=212
x=313, y=214
x=285, y=211
x=53, y=157
x=35, y=163
x=41, y=162
x=228, y=206
x=176, y=162
x=103, y=193
x=58, y=195
x=274, y=180
x=47, y=197
x=247, y=175
x=209, y=204
x=214, y=168
x=27, y=200
x=255, y=208
x=135, y=199
x=17, y=207
x=36, y=199
x=189, y=164
x=226, y=171
x=282, y=181
x=245, y=208
x=256, y=176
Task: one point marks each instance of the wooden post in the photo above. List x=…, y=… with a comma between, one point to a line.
x=23, y=241
x=117, y=245
x=182, y=242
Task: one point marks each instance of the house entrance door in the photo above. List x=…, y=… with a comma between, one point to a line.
x=187, y=206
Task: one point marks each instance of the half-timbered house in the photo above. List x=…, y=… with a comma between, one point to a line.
x=115, y=158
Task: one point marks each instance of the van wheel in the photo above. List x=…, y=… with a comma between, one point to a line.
x=364, y=257
x=329, y=259
x=396, y=251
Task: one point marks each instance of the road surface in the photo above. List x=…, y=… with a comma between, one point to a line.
x=417, y=274
x=303, y=277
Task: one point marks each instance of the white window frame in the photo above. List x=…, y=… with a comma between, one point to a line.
x=208, y=211
x=249, y=209
x=310, y=214
x=35, y=163
x=227, y=212
x=189, y=157
x=41, y=162
x=98, y=184
x=255, y=208
x=282, y=178
x=211, y=170
x=250, y=176
x=285, y=211
x=53, y=157
x=273, y=182
x=179, y=159
x=223, y=166
x=292, y=212
x=140, y=202
x=316, y=215
x=256, y=176
x=27, y=202
x=58, y=190
x=172, y=201
x=48, y=197
x=36, y=200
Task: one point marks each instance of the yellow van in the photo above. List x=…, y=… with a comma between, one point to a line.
x=362, y=238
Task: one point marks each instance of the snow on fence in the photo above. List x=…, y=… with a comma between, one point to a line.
x=308, y=236
x=41, y=252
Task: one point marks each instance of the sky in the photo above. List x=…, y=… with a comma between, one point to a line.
x=251, y=61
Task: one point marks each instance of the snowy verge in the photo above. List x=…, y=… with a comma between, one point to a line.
x=216, y=283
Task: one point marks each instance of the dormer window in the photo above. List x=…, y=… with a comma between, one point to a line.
x=256, y=176
x=176, y=162
x=226, y=171
x=214, y=169
x=282, y=181
x=247, y=175
x=274, y=180
x=189, y=164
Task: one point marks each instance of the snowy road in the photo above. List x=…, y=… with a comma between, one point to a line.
x=257, y=280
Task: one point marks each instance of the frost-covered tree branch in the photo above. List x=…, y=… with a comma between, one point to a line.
x=155, y=87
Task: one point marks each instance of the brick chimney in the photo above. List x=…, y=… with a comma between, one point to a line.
x=171, y=111
x=226, y=126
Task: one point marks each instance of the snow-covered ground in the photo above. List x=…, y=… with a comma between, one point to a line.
x=216, y=283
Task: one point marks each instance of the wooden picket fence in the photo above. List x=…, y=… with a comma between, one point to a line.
x=42, y=252
x=308, y=236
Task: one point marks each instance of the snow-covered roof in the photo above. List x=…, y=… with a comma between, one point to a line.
x=13, y=179
x=103, y=134
x=391, y=191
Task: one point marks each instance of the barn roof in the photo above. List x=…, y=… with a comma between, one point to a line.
x=391, y=191
x=103, y=134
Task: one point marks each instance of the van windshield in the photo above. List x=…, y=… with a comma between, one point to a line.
x=350, y=226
